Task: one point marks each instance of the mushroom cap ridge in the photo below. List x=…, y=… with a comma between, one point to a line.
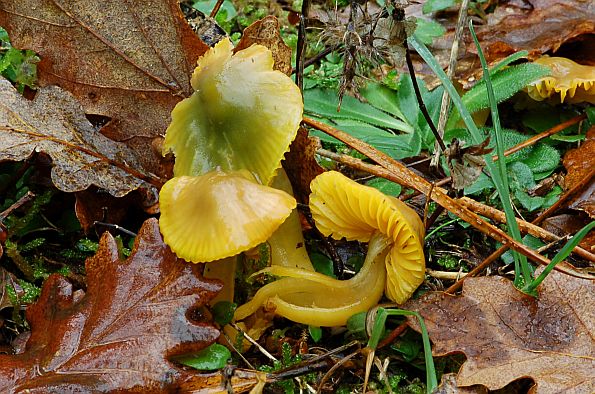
x=342, y=207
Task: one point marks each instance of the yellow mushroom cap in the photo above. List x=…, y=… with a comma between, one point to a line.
x=342, y=207
x=242, y=115
x=574, y=82
x=217, y=215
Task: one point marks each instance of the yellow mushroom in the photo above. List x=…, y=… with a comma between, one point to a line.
x=394, y=264
x=218, y=215
x=574, y=82
x=242, y=115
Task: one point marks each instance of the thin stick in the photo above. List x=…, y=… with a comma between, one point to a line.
x=531, y=141
x=445, y=275
x=301, y=45
x=393, y=335
x=452, y=65
x=420, y=101
x=526, y=227
x=19, y=203
x=398, y=173
x=216, y=8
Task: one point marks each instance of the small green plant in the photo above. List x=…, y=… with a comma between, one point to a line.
x=378, y=329
x=19, y=67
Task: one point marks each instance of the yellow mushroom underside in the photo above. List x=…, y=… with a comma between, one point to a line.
x=344, y=208
x=572, y=81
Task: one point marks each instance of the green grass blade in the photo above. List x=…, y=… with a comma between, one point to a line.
x=561, y=255
x=476, y=135
x=379, y=322
x=503, y=188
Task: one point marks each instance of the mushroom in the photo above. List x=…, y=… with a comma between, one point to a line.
x=394, y=264
x=242, y=115
x=229, y=138
x=218, y=214
x=574, y=82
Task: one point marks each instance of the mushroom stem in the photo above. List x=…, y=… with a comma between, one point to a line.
x=312, y=298
x=288, y=247
x=224, y=270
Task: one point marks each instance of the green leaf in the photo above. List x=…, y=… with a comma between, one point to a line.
x=385, y=186
x=383, y=98
x=324, y=104
x=506, y=83
x=209, y=359
x=407, y=102
x=437, y=5
x=528, y=202
x=322, y=264
x=315, y=333
x=543, y=160
x=356, y=325
x=223, y=312
x=206, y=6
x=426, y=30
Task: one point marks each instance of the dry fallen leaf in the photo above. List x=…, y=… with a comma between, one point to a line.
x=266, y=32
x=54, y=123
x=507, y=335
x=129, y=60
x=121, y=334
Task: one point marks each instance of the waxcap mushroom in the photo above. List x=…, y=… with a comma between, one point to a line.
x=574, y=82
x=342, y=207
x=242, y=115
x=218, y=214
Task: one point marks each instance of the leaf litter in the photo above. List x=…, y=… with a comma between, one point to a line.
x=55, y=124
x=120, y=334
x=101, y=100
x=507, y=335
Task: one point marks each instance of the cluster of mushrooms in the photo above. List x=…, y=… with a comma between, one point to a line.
x=230, y=194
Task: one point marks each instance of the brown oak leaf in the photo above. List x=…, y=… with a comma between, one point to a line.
x=120, y=335
x=129, y=61
x=266, y=32
x=542, y=26
x=507, y=335
x=54, y=123
x=580, y=165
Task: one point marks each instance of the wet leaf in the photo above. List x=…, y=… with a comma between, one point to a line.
x=129, y=61
x=54, y=123
x=120, y=335
x=580, y=163
x=301, y=165
x=507, y=335
x=542, y=27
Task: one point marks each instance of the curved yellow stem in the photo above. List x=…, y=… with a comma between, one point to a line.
x=311, y=298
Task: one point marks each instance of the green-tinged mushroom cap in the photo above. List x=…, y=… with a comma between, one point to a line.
x=242, y=115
